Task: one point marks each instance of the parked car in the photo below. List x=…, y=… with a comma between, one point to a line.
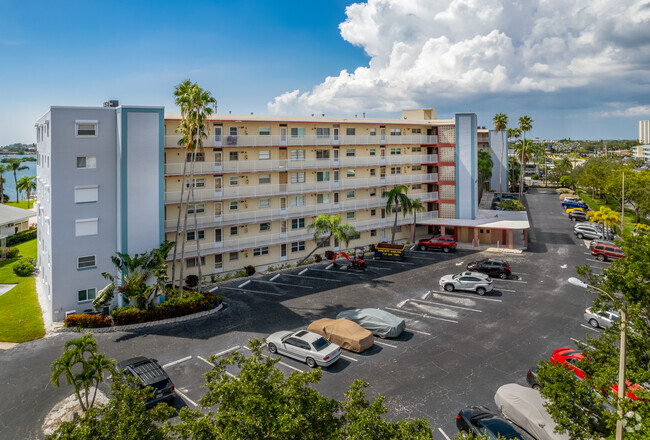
x=345, y=333
x=510, y=197
x=582, y=230
x=531, y=378
x=379, y=322
x=492, y=267
x=573, y=199
x=566, y=205
x=149, y=374
x=570, y=210
x=568, y=357
x=596, y=241
x=480, y=421
x=605, y=252
x=600, y=319
x=472, y=281
x=304, y=346
x=578, y=216
x=445, y=243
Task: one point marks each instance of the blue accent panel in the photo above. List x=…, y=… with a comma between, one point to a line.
x=122, y=178
x=86, y=268
x=474, y=160
x=474, y=146
x=457, y=159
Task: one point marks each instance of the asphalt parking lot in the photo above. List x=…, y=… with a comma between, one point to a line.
x=457, y=350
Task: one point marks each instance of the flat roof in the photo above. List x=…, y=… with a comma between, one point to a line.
x=10, y=214
x=486, y=218
x=317, y=119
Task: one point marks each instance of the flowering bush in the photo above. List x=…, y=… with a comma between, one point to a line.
x=12, y=252
x=87, y=320
x=23, y=267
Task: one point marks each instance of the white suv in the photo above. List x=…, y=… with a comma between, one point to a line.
x=474, y=281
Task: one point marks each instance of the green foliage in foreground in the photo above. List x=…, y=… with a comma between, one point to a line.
x=512, y=205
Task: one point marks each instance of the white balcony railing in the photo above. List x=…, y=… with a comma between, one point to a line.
x=264, y=215
x=307, y=140
x=246, y=190
x=247, y=166
x=254, y=241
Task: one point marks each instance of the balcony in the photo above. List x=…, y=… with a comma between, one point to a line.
x=252, y=166
x=171, y=141
x=264, y=215
x=266, y=190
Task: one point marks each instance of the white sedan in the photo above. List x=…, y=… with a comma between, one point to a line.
x=473, y=281
x=304, y=346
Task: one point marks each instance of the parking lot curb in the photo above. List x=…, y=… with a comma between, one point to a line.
x=141, y=325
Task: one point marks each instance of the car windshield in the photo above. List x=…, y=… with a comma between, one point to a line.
x=320, y=344
x=458, y=275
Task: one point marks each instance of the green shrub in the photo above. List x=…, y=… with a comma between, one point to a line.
x=12, y=252
x=86, y=320
x=21, y=237
x=250, y=270
x=227, y=277
x=512, y=205
x=564, y=191
x=23, y=267
x=240, y=274
x=534, y=177
x=318, y=258
x=175, y=306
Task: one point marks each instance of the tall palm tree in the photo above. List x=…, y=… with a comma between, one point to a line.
x=14, y=165
x=604, y=217
x=485, y=165
x=75, y=353
x=500, y=122
x=415, y=206
x=525, y=124
x=395, y=198
x=98, y=364
x=28, y=185
x=330, y=226
x=3, y=169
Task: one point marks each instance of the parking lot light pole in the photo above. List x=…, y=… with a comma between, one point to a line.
x=621, y=360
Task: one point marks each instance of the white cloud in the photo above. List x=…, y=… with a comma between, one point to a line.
x=633, y=111
x=425, y=51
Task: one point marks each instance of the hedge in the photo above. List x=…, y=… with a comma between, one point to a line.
x=87, y=320
x=21, y=237
x=23, y=267
x=12, y=253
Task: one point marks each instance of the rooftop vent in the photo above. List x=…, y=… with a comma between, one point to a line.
x=112, y=103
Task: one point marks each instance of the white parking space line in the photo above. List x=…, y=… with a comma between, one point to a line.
x=252, y=291
x=506, y=290
x=330, y=271
x=280, y=362
x=394, y=262
x=349, y=358
x=590, y=328
x=467, y=296
x=580, y=343
x=213, y=289
x=277, y=276
x=587, y=253
x=244, y=283
x=443, y=433
x=418, y=331
x=206, y=361
x=184, y=397
x=510, y=281
x=177, y=362
x=330, y=266
x=386, y=344
x=421, y=315
x=310, y=278
x=221, y=353
x=378, y=268
x=283, y=284
x=444, y=305
x=303, y=271
x=597, y=261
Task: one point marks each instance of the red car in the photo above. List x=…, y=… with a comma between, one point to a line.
x=445, y=243
x=604, y=252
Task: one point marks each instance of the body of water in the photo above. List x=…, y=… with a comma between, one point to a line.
x=10, y=185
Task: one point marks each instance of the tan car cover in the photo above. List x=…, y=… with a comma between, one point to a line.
x=343, y=332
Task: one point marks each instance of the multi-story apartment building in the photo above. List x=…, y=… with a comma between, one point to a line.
x=644, y=132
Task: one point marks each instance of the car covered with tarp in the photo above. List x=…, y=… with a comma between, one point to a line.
x=379, y=322
x=346, y=334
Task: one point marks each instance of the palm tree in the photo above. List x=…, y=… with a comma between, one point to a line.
x=3, y=169
x=414, y=206
x=100, y=363
x=525, y=124
x=485, y=165
x=397, y=197
x=605, y=217
x=500, y=124
x=15, y=165
x=330, y=226
x=27, y=184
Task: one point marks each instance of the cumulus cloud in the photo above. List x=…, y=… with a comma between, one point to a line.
x=623, y=111
x=423, y=52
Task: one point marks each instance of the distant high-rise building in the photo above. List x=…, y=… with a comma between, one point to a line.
x=644, y=132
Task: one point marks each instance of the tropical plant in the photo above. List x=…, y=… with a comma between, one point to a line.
x=511, y=205
x=396, y=198
x=325, y=228
x=414, y=207
x=500, y=122
x=14, y=165
x=604, y=217
x=525, y=125
x=485, y=165
x=28, y=185
x=3, y=169
x=514, y=171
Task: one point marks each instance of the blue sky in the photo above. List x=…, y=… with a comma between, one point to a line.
x=574, y=77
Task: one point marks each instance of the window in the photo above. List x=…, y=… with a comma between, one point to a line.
x=373, y=172
x=297, y=201
x=322, y=154
x=197, y=183
x=350, y=152
x=234, y=206
x=265, y=155
x=396, y=170
x=218, y=261
x=234, y=230
x=323, y=176
x=416, y=130
x=350, y=173
x=234, y=256
x=198, y=208
x=86, y=262
x=297, y=246
x=260, y=251
x=350, y=194
x=297, y=223
x=266, y=226
x=417, y=186
x=86, y=194
x=373, y=212
x=85, y=227
x=350, y=131
x=86, y=294
x=395, y=131
x=265, y=131
x=373, y=232
x=373, y=152
x=322, y=132
x=373, y=192
x=394, y=151
x=233, y=131
x=349, y=215
x=86, y=162
x=297, y=177
x=265, y=178
x=416, y=167
x=86, y=128
x=234, y=155
x=416, y=149
x=322, y=198
x=297, y=132
x=297, y=154
x=234, y=181
x=191, y=235
x=200, y=157
x=193, y=262
x=265, y=202
x=373, y=132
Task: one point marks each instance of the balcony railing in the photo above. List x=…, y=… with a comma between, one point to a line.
x=263, y=215
x=257, y=240
x=252, y=190
x=246, y=140
x=246, y=166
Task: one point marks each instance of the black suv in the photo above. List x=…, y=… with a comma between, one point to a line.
x=578, y=216
x=492, y=267
x=149, y=374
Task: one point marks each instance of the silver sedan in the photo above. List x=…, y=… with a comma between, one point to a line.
x=473, y=281
x=304, y=346
x=600, y=319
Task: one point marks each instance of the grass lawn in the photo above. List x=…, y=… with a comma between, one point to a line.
x=22, y=204
x=20, y=312
x=630, y=215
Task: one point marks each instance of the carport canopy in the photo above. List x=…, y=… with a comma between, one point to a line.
x=485, y=218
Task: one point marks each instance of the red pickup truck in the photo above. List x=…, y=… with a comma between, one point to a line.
x=445, y=243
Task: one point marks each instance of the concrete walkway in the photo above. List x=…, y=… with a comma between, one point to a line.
x=4, y=288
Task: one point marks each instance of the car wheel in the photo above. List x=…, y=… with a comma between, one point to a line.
x=423, y=247
x=579, y=235
x=537, y=387
x=503, y=275
x=311, y=363
x=481, y=291
x=449, y=287
x=600, y=257
x=593, y=323
x=272, y=348
x=445, y=249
